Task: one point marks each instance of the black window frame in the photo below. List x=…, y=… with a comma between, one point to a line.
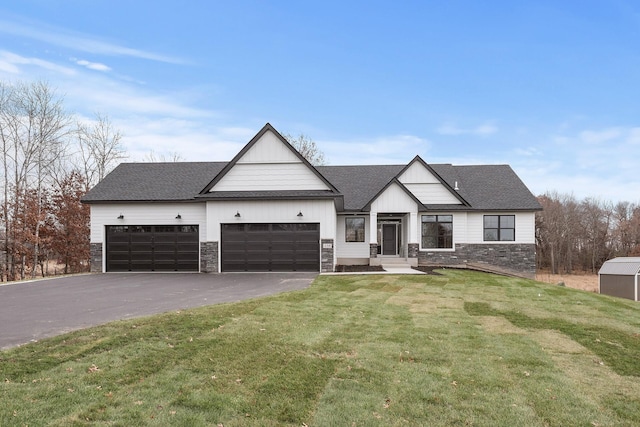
x=357, y=234
x=504, y=230
x=444, y=231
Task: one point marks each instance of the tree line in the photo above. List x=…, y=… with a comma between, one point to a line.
x=49, y=159
x=580, y=235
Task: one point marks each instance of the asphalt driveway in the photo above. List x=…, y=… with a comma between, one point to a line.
x=35, y=310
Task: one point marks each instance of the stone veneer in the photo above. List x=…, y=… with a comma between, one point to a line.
x=208, y=257
x=326, y=265
x=95, y=251
x=520, y=258
x=413, y=250
x=373, y=250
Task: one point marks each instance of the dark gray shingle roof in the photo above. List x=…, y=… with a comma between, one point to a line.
x=484, y=187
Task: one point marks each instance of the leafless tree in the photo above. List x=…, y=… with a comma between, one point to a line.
x=153, y=157
x=307, y=147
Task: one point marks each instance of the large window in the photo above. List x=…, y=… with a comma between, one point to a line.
x=354, y=230
x=499, y=228
x=437, y=231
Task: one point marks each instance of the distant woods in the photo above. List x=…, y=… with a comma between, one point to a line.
x=49, y=160
x=580, y=235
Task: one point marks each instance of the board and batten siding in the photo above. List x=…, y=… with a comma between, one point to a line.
x=269, y=149
x=394, y=200
x=271, y=211
x=346, y=249
x=146, y=214
x=525, y=227
x=269, y=176
x=433, y=194
x=418, y=174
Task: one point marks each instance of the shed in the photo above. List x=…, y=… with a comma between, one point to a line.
x=619, y=277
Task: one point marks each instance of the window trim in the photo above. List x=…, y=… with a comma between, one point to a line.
x=355, y=232
x=453, y=243
x=498, y=228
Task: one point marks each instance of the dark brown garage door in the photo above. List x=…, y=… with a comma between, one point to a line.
x=152, y=248
x=270, y=247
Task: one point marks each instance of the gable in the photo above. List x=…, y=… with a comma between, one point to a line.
x=268, y=163
x=426, y=185
x=394, y=199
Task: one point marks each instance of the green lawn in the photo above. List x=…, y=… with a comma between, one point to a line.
x=464, y=348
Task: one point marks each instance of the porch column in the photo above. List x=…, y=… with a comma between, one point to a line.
x=414, y=236
x=373, y=234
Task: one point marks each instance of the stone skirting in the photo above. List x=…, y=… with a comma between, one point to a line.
x=95, y=251
x=520, y=258
x=326, y=265
x=373, y=250
x=209, y=257
x=413, y=249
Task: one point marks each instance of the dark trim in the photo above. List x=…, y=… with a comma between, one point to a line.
x=367, y=207
x=267, y=127
x=442, y=181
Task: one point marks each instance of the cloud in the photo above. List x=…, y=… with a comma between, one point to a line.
x=481, y=130
x=394, y=149
x=600, y=136
x=10, y=63
x=92, y=65
x=77, y=41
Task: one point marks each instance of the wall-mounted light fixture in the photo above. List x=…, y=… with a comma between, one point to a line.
x=237, y=215
x=178, y=216
x=300, y=214
x=120, y=216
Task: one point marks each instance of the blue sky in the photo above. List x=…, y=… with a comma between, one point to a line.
x=550, y=87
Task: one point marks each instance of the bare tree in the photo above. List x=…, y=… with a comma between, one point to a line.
x=99, y=148
x=152, y=157
x=307, y=148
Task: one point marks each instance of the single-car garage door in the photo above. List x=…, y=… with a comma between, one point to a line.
x=152, y=248
x=270, y=247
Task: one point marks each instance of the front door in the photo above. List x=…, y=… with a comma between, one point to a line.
x=389, y=239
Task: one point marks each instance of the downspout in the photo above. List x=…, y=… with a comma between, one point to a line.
x=635, y=279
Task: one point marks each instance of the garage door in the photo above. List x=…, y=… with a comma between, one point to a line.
x=270, y=247
x=152, y=248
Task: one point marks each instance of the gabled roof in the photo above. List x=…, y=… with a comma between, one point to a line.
x=266, y=128
x=450, y=188
x=625, y=266
x=150, y=182
x=367, y=207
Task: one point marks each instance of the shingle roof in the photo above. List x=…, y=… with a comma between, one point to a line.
x=484, y=187
x=154, y=182
x=627, y=266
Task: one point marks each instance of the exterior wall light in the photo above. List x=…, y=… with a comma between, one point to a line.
x=237, y=215
x=120, y=216
x=300, y=214
x=178, y=216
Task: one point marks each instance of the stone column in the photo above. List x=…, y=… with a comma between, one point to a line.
x=373, y=235
x=95, y=250
x=209, y=257
x=326, y=258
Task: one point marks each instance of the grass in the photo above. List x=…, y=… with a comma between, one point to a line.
x=465, y=348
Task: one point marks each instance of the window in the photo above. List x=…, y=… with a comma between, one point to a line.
x=499, y=228
x=354, y=230
x=437, y=231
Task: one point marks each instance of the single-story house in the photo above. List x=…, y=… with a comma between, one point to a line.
x=619, y=277
x=269, y=209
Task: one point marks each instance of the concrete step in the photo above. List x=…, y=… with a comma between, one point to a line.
x=394, y=260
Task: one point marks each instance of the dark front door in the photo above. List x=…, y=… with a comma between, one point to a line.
x=389, y=239
x=270, y=247
x=152, y=248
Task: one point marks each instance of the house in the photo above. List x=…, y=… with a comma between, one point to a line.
x=268, y=209
x=619, y=277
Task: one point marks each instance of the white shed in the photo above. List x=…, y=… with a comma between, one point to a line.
x=619, y=277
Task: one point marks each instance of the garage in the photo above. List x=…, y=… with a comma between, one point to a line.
x=270, y=247
x=152, y=248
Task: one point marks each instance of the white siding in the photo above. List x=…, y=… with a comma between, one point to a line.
x=394, y=200
x=417, y=173
x=283, y=211
x=525, y=227
x=351, y=249
x=274, y=176
x=433, y=194
x=146, y=214
x=269, y=149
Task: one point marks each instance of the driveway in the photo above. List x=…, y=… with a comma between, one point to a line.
x=34, y=310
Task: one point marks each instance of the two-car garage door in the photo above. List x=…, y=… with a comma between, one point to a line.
x=270, y=247
x=244, y=247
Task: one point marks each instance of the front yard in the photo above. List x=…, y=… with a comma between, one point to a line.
x=464, y=348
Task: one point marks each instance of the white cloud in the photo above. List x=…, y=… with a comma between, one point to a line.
x=600, y=136
x=92, y=65
x=396, y=149
x=10, y=62
x=481, y=130
x=76, y=41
